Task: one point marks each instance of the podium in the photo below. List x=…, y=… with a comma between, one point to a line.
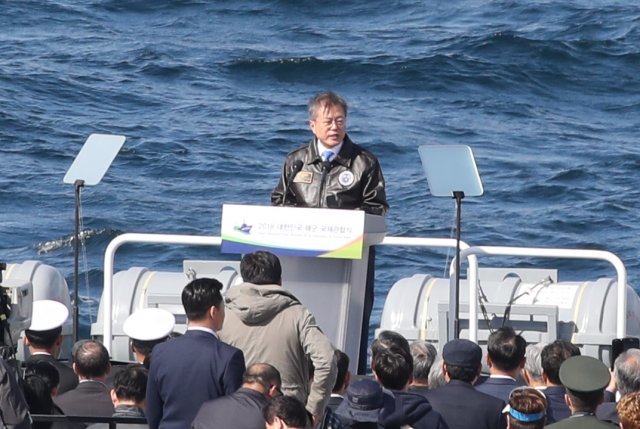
x=324, y=255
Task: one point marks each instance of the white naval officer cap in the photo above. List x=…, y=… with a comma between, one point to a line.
x=149, y=324
x=48, y=314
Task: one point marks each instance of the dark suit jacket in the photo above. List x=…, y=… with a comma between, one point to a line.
x=186, y=372
x=240, y=410
x=498, y=387
x=463, y=407
x=68, y=378
x=607, y=411
x=420, y=390
x=557, y=408
x=90, y=398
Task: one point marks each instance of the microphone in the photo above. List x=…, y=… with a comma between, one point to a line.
x=326, y=166
x=295, y=168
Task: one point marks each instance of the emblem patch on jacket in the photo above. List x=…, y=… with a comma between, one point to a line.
x=346, y=178
x=303, y=177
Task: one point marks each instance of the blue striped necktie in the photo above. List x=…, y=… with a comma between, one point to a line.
x=327, y=155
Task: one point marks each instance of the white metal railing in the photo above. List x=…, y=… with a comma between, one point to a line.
x=438, y=242
x=107, y=293
x=545, y=253
x=195, y=240
x=466, y=252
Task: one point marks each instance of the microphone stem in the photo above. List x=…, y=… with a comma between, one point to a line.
x=323, y=179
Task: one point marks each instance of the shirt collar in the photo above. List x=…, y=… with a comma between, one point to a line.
x=321, y=148
x=202, y=328
x=506, y=377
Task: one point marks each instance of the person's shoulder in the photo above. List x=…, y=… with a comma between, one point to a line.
x=299, y=151
x=488, y=400
x=228, y=349
x=579, y=423
x=170, y=344
x=363, y=156
x=463, y=390
x=66, y=398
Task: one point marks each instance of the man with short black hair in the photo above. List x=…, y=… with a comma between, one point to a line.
x=269, y=324
x=386, y=340
x=128, y=396
x=195, y=367
x=551, y=358
x=505, y=358
x=44, y=339
x=459, y=403
x=342, y=380
x=91, y=397
x=286, y=412
x=393, y=368
x=242, y=409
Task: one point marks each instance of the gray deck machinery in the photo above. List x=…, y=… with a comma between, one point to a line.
x=20, y=285
x=532, y=301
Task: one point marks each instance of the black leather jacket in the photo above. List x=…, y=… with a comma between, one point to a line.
x=352, y=180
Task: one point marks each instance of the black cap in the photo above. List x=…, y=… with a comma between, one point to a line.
x=461, y=352
x=363, y=402
x=584, y=374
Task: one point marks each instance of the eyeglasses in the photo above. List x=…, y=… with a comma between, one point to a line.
x=340, y=122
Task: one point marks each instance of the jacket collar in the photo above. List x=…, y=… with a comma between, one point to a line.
x=343, y=157
x=460, y=383
x=200, y=331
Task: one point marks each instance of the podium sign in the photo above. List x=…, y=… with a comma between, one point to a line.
x=293, y=231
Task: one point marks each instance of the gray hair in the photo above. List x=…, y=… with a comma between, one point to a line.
x=627, y=372
x=436, y=375
x=423, y=353
x=533, y=361
x=325, y=99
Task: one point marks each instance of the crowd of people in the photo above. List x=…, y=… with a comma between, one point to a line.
x=256, y=358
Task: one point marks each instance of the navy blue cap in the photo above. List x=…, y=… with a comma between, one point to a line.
x=461, y=352
x=363, y=402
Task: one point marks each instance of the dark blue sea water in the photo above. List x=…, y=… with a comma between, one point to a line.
x=212, y=95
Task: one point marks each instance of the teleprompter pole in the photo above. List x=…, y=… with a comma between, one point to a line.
x=78, y=184
x=458, y=196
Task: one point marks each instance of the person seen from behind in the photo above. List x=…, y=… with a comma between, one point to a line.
x=629, y=411
x=286, y=412
x=526, y=409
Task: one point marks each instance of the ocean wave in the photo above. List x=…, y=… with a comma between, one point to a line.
x=87, y=235
x=138, y=6
x=211, y=97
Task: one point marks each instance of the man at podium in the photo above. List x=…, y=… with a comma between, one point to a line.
x=333, y=172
